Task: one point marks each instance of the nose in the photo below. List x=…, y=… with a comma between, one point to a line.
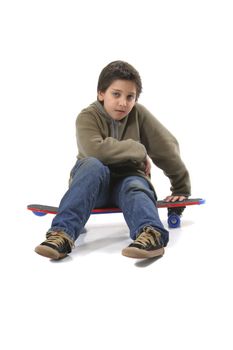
x=123, y=102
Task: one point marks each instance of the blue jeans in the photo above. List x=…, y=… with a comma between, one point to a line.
x=92, y=186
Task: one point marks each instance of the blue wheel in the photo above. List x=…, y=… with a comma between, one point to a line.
x=173, y=220
x=39, y=213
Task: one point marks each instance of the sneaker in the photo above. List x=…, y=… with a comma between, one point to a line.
x=148, y=244
x=56, y=246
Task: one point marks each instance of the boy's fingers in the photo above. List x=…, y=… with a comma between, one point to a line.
x=174, y=198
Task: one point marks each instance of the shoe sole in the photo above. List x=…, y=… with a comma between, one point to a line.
x=49, y=252
x=137, y=253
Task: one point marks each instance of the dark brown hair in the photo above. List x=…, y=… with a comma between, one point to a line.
x=119, y=70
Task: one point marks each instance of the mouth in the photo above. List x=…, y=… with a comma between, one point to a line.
x=120, y=111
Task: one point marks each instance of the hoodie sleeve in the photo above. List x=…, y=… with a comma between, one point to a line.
x=92, y=142
x=163, y=148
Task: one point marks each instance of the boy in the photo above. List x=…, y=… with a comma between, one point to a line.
x=115, y=136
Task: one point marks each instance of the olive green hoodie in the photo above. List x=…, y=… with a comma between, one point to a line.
x=123, y=145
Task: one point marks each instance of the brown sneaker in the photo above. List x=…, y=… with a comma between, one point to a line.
x=148, y=244
x=56, y=246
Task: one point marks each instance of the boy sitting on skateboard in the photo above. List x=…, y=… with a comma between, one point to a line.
x=115, y=136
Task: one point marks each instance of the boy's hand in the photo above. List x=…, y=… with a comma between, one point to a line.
x=148, y=166
x=174, y=198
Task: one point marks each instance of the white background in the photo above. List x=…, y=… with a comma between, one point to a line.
x=51, y=55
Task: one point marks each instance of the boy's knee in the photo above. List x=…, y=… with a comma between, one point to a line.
x=95, y=165
x=87, y=167
x=133, y=186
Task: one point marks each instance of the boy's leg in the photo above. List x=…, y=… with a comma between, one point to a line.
x=137, y=200
x=89, y=187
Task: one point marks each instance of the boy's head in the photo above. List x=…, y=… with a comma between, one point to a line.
x=119, y=70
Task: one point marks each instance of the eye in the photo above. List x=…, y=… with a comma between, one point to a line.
x=116, y=94
x=130, y=97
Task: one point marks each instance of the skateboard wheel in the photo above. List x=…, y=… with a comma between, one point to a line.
x=173, y=220
x=39, y=213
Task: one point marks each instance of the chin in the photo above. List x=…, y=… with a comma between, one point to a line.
x=119, y=117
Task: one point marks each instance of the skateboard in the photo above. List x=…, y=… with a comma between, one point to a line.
x=175, y=209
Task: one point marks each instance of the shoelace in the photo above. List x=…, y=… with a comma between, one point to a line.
x=148, y=236
x=58, y=240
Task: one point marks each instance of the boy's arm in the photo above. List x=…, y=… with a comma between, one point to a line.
x=163, y=148
x=108, y=150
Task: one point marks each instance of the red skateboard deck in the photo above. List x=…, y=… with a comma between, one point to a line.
x=173, y=217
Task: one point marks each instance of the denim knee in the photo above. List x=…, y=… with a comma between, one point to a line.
x=138, y=184
x=90, y=165
x=96, y=166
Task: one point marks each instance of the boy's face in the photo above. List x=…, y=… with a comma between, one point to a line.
x=119, y=98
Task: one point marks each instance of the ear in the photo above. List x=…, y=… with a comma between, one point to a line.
x=101, y=96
